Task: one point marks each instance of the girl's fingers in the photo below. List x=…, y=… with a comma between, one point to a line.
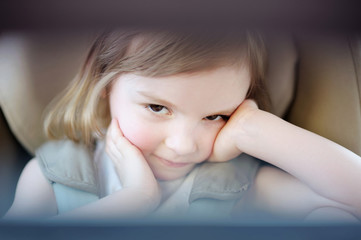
x=114, y=131
x=116, y=136
x=111, y=137
x=115, y=140
x=117, y=145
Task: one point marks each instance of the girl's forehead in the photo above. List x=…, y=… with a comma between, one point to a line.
x=221, y=76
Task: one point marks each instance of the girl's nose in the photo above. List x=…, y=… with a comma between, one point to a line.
x=182, y=143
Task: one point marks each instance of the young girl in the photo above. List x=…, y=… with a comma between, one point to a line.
x=138, y=129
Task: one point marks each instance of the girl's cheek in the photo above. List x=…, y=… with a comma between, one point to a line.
x=140, y=135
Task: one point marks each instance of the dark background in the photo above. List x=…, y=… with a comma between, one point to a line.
x=316, y=16
x=290, y=15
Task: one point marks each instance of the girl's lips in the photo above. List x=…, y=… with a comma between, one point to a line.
x=170, y=163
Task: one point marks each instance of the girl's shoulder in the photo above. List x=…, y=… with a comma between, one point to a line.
x=68, y=163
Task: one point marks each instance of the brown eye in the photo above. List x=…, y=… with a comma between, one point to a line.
x=213, y=117
x=217, y=117
x=158, y=109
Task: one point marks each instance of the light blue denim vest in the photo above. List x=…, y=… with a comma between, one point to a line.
x=216, y=188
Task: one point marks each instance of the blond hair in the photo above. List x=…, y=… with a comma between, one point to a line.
x=80, y=113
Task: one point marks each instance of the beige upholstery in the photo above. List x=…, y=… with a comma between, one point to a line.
x=316, y=83
x=328, y=92
x=34, y=68
x=281, y=72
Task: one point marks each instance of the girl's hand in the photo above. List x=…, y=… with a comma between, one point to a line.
x=225, y=146
x=131, y=166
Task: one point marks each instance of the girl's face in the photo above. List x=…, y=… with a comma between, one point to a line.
x=174, y=120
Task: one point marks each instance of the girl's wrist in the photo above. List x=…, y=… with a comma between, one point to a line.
x=147, y=198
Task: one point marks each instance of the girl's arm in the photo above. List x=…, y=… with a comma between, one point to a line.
x=140, y=193
x=330, y=172
x=34, y=196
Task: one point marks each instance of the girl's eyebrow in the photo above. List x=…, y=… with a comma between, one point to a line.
x=155, y=99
